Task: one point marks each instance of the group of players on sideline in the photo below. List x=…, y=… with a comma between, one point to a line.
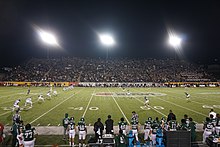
x=24, y=135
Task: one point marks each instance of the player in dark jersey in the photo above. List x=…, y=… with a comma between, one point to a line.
x=172, y=125
x=208, y=129
x=65, y=125
x=19, y=135
x=155, y=127
x=217, y=127
x=28, y=135
x=72, y=131
x=148, y=130
x=122, y=125
x=28, y=91
x=82, y=131
x=134, y=128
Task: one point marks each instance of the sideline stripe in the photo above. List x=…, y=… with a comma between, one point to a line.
x=120, y=108
x=88, y=104
x=51, y=109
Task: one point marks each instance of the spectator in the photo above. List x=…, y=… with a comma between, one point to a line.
x=171, y=116
x=98, y=128
x=109, y=125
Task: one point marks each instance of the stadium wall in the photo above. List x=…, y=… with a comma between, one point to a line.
x=58, y=84
x=112, y=84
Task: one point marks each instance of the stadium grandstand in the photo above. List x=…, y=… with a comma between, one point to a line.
x=111, y=70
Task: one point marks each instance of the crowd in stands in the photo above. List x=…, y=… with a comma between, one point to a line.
x=111, y=70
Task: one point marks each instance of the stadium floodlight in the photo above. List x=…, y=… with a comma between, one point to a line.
x=107, y=39
x=48, y=38
x=175, y=41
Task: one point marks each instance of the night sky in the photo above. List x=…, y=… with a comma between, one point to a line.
x=139, y=28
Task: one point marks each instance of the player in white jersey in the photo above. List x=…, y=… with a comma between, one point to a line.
x=28, y=101
x=146, y=103
x=187, y=96
x=40, y=98
x=48, y=94
x=16, y=106
x=55, y=93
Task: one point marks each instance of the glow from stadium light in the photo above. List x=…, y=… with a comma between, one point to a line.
x=107, y=39
x=174, y=40
x=48, y=38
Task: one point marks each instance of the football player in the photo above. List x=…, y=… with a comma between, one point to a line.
x=146, y=103
x=155, y=127
x=82, y=132
x=187, y=96
x=148, y=130
x=66, y=120
x=72, y=131
x=55, y=93
x=128, y=93
x=40, y=98
x=134, y=128
x=48, y=94
x=217, y=127
x=28, y=101
x=172, y=125
x=122, y=125
x=28, y=91
x=134, y=116
x=208, y=129
x=16, y=116
x=16, y=106
x=28, y=135
x=19, y=135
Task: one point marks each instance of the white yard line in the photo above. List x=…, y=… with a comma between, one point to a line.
x=5, y=113
x=120, y=108
x=182, y=107
x=52, y=109
x=88, y=104
x=152, y=108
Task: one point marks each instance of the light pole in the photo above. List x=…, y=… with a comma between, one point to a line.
x=108, y=41
x=48, y=38
x=175, y=42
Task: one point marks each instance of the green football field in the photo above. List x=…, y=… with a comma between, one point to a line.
x=93, y=103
